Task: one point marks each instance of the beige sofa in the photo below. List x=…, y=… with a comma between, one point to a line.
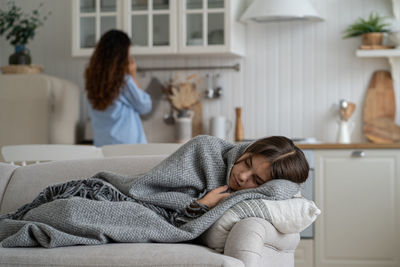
x=251, y=241
x=38, y=109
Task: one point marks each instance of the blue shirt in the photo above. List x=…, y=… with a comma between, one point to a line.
x=120, y=122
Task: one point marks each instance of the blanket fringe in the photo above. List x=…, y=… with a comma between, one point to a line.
x=93, y=189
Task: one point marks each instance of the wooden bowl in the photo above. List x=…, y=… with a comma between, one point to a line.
x=22, y=69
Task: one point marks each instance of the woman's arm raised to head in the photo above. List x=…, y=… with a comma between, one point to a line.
x=136, y=97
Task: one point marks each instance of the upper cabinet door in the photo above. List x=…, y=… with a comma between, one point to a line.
x=152, y=26
x=92, y=18
x=211, y=27
x=205, y=26
x=150, y=23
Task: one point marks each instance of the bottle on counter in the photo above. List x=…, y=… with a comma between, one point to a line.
x=238, y=125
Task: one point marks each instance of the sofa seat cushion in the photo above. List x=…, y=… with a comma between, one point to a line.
x=132, y=254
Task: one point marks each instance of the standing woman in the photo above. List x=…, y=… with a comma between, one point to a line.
x=114, y=95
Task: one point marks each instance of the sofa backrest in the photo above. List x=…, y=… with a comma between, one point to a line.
x=26, y=182
x=48, y=152
x=139, y=149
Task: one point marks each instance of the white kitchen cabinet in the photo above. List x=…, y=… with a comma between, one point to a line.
x=211, y=27
x=358, y=192
x=162, y=27
x=90, y=19
x=150, y=23
x=304, y=254
x=152, y=26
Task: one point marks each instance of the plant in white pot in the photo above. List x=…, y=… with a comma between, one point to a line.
x=19, y=27
x=371, y=29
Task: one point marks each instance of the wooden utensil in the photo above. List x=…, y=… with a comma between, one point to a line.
x=197, y=122
x=239, y=135
x=345, y=113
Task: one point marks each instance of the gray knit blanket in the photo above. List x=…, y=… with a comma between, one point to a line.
x=112, y=208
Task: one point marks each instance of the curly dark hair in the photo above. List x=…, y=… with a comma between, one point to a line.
x=286, y=159
x=107, y=67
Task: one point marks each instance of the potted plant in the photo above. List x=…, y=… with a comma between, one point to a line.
x=19, y=27
x=371, y=29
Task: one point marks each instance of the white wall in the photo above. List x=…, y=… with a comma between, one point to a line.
x=290, y=83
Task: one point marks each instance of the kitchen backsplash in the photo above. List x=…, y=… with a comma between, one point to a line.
x=290, y=83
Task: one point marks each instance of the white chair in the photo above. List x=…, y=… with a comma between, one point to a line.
x=139, y=149
x=38, y=109
x=48, y=152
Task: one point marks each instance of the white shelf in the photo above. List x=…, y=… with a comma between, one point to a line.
x=378, y=53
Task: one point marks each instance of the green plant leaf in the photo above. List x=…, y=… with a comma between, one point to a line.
x=374, y=23
x=18, y=27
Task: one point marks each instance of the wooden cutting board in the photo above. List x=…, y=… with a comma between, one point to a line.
x=380, y=101
x=382, y=131
x=379, y=109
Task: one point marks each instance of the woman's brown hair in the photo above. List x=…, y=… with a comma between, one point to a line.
x=287, y=161
x=107, y=68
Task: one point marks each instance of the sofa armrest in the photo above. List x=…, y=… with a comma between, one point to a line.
x=249, y=237
x=6, y=171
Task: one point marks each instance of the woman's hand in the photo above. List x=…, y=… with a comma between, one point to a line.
x=132, y=67
x=215, y=196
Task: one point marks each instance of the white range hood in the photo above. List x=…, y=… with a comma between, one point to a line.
x=280, y=10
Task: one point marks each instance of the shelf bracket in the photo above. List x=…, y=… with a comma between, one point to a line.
x=395, y=70
x=395, y=64
x=396, y=9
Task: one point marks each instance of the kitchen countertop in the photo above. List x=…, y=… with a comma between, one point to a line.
x=348, y=146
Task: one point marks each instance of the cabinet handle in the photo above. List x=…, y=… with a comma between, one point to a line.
x=358, y=154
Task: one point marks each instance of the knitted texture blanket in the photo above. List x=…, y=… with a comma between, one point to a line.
x=112, y=208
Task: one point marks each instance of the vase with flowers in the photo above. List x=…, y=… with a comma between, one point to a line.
x=18, y=28
x=183, y=97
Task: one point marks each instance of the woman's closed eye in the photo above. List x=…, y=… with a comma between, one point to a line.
x=257, y=180
x=248, y=162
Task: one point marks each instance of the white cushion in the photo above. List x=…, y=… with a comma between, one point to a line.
x=287, y=216
x=292, y=215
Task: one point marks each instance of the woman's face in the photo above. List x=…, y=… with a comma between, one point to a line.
x=249, y=171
